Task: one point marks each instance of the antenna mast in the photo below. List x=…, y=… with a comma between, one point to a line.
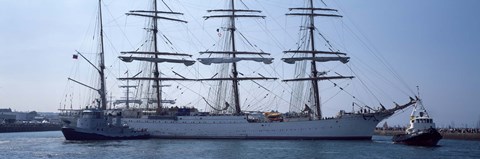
x=102, y=91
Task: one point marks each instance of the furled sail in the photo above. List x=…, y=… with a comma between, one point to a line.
x=135, y=101
x=209, y=61
x=151, y=101
x=317, y=59
x=157, y=60
x=234, y=52
x=315, y=52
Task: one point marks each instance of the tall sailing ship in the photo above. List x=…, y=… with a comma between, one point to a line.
x=228, y=120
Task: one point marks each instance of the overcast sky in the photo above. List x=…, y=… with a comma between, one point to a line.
x=434, y=44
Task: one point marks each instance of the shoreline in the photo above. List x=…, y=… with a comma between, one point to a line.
x=29, y=127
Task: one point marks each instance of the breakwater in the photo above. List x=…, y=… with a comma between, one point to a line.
x=27, y=127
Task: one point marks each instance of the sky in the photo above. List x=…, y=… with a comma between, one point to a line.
x=433, y=44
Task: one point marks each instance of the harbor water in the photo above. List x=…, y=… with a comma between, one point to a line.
x=52, y=144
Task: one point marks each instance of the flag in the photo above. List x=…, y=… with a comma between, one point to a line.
x=218, y=33
x=75, y=56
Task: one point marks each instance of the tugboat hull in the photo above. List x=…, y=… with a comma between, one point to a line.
x=430, y=137
x=73, y=134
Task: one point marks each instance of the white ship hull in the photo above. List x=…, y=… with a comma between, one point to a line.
x=346, y=127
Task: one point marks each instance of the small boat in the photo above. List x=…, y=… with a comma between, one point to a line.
x=422, y=131
x=94, y=125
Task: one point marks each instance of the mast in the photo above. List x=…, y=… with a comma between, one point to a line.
x=102, y=91
x=127, y=103
x=314, y=71
x=127, y=93
x=156, y=72
x=310, y=12
x=234, y=64
x=233, y=59
x=156, y=56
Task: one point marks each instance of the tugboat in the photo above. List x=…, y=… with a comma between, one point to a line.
x=422, y=131
x=94, y=125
